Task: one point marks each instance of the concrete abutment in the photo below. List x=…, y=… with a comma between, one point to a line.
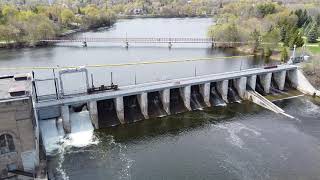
x=65, y=116
x=205, y=92
x=222, y=88
x=265, y=80
x=119, y=109
x=280, y=79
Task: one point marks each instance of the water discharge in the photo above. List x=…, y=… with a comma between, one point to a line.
x=215, y=98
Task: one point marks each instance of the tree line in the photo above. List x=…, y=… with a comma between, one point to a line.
x=268, y=26
x=26, y=25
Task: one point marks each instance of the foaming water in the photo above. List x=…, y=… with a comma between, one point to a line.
x=234, y=130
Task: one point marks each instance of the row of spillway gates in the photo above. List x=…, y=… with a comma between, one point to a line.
x=128, y=104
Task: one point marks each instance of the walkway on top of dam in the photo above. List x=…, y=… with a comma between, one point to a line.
x=157, y=86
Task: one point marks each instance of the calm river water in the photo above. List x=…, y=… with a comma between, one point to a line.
x=240, y=141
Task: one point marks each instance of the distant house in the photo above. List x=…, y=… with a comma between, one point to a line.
x=137, y=11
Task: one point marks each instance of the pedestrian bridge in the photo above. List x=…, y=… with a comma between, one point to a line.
x=136, y=102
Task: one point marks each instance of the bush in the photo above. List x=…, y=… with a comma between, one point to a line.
x=265, y=9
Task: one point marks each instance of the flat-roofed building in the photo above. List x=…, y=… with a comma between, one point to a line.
x=19, y=135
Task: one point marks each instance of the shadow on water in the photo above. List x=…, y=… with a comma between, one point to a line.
x=175, y=124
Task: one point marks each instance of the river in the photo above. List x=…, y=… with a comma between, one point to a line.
x=238, y=141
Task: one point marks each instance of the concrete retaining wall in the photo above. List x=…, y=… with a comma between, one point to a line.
x=300, y=82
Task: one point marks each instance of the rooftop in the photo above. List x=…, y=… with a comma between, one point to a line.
x=14, y=87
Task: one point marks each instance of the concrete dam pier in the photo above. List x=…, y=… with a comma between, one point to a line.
x=134, y=103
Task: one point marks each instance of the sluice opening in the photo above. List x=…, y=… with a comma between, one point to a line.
x=176, y=102
x=288, y=85
x=196, y=100
x=155, y=106
x=79, y=107
x=107, y=114
x=233, y=96
x=132, y=110
x=259, y=87
x=215, y=98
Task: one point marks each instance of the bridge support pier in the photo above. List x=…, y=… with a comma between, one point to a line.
x=93, y=112
x=252, y=81
x=222, y=88
x=266, y=81
x=241, y=86
x=185, y=93
x=120, y=109
x=205, y=92
x=165, y=98
x=280, y=79
x=65, y=116
x=143, y=102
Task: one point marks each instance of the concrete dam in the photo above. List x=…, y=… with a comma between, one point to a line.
x=130, y=104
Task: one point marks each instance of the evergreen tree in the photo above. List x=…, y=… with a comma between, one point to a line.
x=318, y=20
x=303, y=17
x=284, y=54
x=283, y=33
x=313, y=34
x=296, y=39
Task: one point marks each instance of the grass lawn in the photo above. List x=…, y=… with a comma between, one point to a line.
x=314, y=48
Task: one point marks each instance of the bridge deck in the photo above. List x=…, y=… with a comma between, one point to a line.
x=161, y=85
x=135, y=40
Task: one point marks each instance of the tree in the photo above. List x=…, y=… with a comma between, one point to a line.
x=265, y=9
x=67, y=17
x=318, y=20
x=8, y=33
x=296, y=39
x=303, y=17
x=267, y=52
x=255, y=36
x=283, y=33
x=313, y=34
x=284, y=54
x=225, y=32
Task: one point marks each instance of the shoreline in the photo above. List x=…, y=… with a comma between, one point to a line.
x=21, y=45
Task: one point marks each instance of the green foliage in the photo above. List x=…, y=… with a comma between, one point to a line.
x=296, y=39
x=318, y=20
x=225, y=32
x=313, y=34
x=8, y=33
x=303, y=17
x=267, y=52
x=255, y=36
x=284, y=54
x=266, y=8
x=67, y=17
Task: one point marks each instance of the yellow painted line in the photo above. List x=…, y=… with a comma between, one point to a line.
x=121, y=64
